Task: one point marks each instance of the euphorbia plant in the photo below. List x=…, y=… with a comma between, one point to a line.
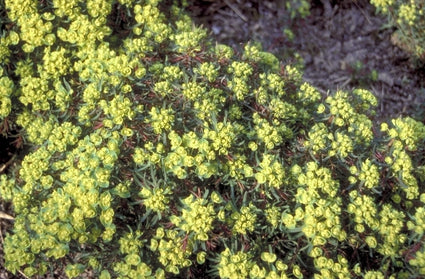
x=156, y=153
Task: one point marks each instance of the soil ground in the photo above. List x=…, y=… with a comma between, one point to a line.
x=343, y=44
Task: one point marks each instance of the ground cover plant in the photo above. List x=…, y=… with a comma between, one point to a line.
x=156, y=153
x=409, y=18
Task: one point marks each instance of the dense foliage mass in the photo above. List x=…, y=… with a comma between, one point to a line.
x=155, y=153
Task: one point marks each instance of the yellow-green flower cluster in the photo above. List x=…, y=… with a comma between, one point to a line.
x=321, y=208
x=84, y=31
x=374, y=275
x=73, y=270
x=92, y=93
x=188, y=38
x=6, y=90
x=155, y=199
x=98, y=10
x=234, y=265
x=132, y=266
x=239, y=83
x=82, y=183
x=6, y=187
x=207, y=70
x=192, y=90
x=307, y=93
x=322, y=222
x=368, y=174
x=5, y=42
x=55, y=64
x=253, y=52
x=348, y=112
x=185, y=152
x=15, y=247
x=197, y=217
x=418, y=262
x=267, y=133
x=340, y=108
x=368, y=100
x=364, y=209
x=163, y=88
x=62, y=136
x=238, y=168
x=261, y=95
x=290, y=220
x=211, y=103
x=235, y=112
x=401, y=166
x=241, y=69
x=24, y=68
x=120, y=66
x=161, y=119
x=273, y=215
x=360, y=129
x=282, y=109
x=239, y=87
x=294, y=73
x=93, y=62
x=407, y=13
x=409, y=131
x=382, y=4
x=35, y=28
x=241, y=264
x=391, y=224
x=33, y=167
x=35, y=91
x=223, y=51
x=271, y=172
x=66, y=8
x=173, y=250
x=63, y=95
x=318, y=180
x=178, y=161
x=329, y=268
x=171, y=73
x=244, y=221
x=138, y=48
x=150, y=22
x=221, y=136
x=273, y=82
x=342, y=145
x=417, y=224
x=318, y=138
x=117, y=111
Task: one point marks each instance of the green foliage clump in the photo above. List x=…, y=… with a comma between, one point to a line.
x=409, y=18
x=155, y=153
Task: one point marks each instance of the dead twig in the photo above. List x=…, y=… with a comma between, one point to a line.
x=5, y=165
x=236, y=10
x=5, y=216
